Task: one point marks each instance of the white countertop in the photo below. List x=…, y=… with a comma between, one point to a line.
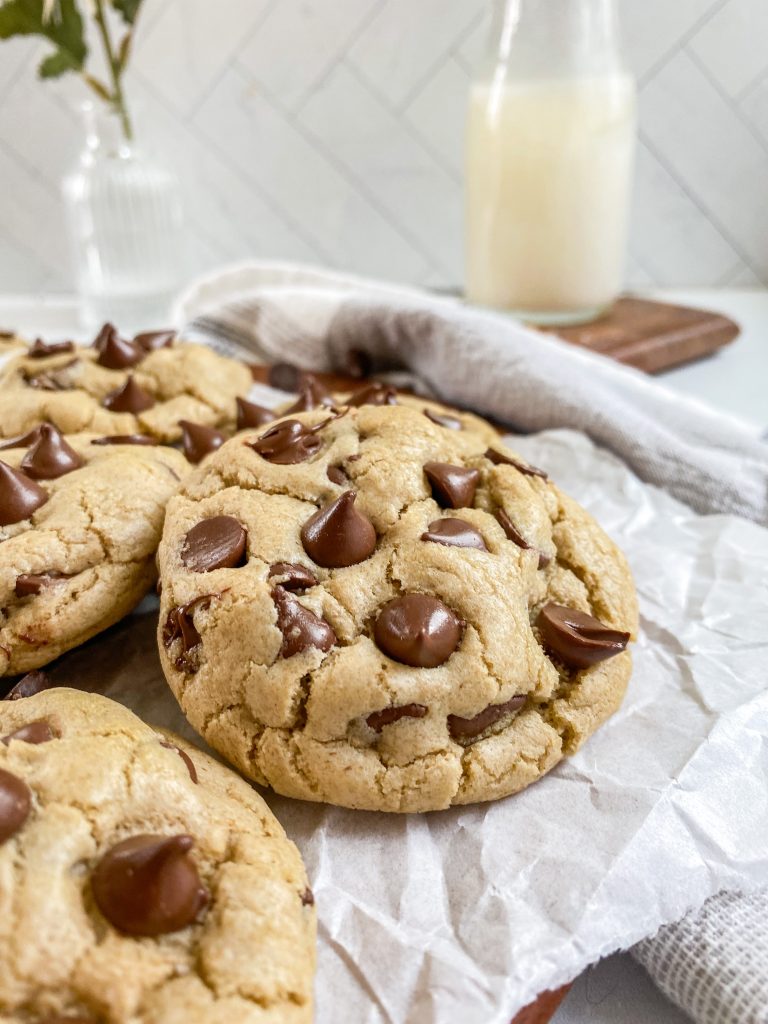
x=734, y=380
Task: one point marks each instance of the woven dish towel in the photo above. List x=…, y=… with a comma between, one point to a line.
x=714, y=963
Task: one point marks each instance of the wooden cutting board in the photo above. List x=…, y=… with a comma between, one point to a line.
x=652, y=336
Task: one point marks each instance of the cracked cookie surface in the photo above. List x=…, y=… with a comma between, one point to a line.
x=353, y=611
x=77, y=550
x=222, y=926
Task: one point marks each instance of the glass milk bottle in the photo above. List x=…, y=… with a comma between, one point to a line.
x=550, y=153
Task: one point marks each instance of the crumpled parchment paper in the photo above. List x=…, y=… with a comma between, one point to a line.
x=466, y=915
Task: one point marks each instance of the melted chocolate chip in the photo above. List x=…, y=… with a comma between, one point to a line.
x=251, y=415
x=20, y=496
x=50, y=456
x=337, y=476
x=199, y=441
x=516, y=537
x=287, y=443
x=149, y=885
x=311, y=395
x=31, y=583
x=452, y=486
x=15, y=804
x=338, y=535
x=449, y=422
x=128, y=398
x=301, y=628
x=34, y=732
x=22, y=440
x=29, y=685
x=292, y=576
x=284, y=376
x=417, y=630
x=454, y=533
x=373, y=394
x=468, y=728
x=117, y=353
x=498, y=458
x=125, y=439
x=188, y=762
x=307, y=898
x=216, y=543
x=578, y=639
x=378, y=719
x=152, y=340
x=41, y=349
x=180, y=625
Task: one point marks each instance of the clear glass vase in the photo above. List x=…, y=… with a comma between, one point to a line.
x=125, y=219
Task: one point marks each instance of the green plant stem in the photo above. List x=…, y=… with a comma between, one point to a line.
x=118, y=98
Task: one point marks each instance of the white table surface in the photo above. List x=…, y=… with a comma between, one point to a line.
x=736, y=381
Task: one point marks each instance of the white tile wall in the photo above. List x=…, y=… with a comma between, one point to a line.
x=332, y=131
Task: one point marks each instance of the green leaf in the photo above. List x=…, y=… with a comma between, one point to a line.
x=128, y=8
x=64, y=28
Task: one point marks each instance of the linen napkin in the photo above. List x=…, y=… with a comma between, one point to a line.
x=714, y=963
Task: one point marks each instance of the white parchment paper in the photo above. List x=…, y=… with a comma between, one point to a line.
x=464, y=916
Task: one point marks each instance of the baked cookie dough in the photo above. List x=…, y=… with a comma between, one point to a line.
x=377, y=610
x=120, y=386
x=140, y=881
x=80, y=521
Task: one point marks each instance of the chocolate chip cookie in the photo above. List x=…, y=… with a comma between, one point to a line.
x=370, y=607
x=145, y=385
x=141, y=880
x=80, y=520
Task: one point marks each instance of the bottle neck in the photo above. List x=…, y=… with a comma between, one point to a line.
x=104, y=135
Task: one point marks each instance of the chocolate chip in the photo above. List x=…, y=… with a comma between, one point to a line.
x=149, y=885
x=180, y=625
x=216, y=543
x=152, y=340
x=199, y=441
x=337, y=476
x=378, y=719
x=516, y=537
x=373, y=394
x=29, y=584
x=41, y=349
x=22, y=440
x=307, y=898
x=287, y=443
x=128, y=398
x=452, y=486
x=34, y=732
x=284, y=376
x=125, y=439
x=29, y=685
x=20, y=496
x=578, y=639
x=50, y=456
x=292, y=576
x=15, y=804
x=418, y=630
x=251, y=415
x=117, y=353
x=449, y=422
x=454, y=533
x=311, y=395
x=338, y=535
x=498, y=458
x=468, y=728
x=189, y=763
x=301, y=628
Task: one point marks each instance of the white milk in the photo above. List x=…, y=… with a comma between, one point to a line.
x=549, y=171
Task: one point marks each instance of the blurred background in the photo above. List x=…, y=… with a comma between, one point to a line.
x=332, y=131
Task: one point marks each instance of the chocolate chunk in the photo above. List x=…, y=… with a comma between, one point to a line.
x=152, y=340
x=307, y=898
x=41, y=349
x=311, y=395
x=149, y=885
x=454, y=533
x=337, y=476
x=578, y=639
x=118, y=353
x=22, y=440
x=468, y=728
x=15, y=804
x=373, y=394
x=284, y=376
x=29, y=685
x=31, y=583
x=378, y=719
x=418, y=630
x=338, y=535
x=20, y=496
x=498, y=458
x=287, y=443
x=292, y=576
x=50, y=456
x=199, y=441
x=251, y=415
x=128, y=398
x=34, y=732
x=449, y=422
x=301, y=628
x=180, y=625
x=124, y=439
x=216, y=543
x=452, y=486
x=189, y=763
x=516, y=537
